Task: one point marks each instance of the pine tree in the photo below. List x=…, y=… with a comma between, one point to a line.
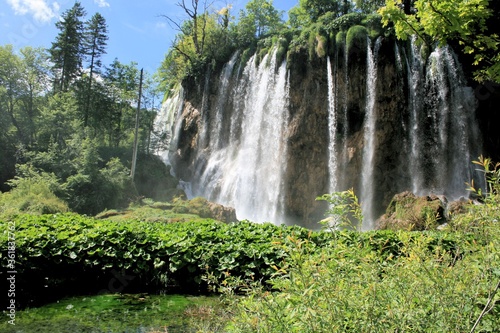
x=66, y=52
x=95, y=43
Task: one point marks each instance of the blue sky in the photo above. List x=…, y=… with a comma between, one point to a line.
x=136, y=30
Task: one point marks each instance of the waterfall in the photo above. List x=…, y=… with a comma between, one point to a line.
x=222, y=99
x=246, y=173
x=368, y=167
x=450, y=109
x=345, y=117
x=415, y=65
x=332, y=131
x=407, y=123
x=164, y=127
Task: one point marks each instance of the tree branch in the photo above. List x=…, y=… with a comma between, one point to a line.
x=439, y=13
x=485, y=309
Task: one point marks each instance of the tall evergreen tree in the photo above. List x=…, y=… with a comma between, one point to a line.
x=67, y=51
x=95, y=43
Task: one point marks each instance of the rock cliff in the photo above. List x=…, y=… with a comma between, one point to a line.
x=425, y=131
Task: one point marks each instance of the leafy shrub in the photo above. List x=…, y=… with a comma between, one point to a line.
x=351, y=289
x=345, y=22
x=66, y=250
x=33, y=195
x=345, y=210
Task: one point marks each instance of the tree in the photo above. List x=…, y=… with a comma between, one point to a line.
x=317, y=8
x=260, y=17
x=121, y=81
x=67, y=51
x=468, y=22
x=194, y=27
x=58, y=120
x=35, y=81
x=94, y=45
x=10, y=88
x=369, y=6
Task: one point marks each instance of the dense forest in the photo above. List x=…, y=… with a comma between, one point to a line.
x=68, y=120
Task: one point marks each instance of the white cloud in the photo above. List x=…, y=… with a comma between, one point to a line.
x=39, y=9
x=102, y=3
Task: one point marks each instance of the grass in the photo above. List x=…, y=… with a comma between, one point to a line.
x=118, y=313
x=147, y=210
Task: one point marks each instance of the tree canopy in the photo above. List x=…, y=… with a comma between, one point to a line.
x=68, y=120
x=471, y=23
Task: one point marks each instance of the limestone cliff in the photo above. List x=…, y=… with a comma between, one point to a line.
x=256, y=136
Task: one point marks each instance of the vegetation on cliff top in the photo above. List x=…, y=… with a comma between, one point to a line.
x=314, y=25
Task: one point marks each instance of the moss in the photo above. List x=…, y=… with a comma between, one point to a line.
x=115, y=313
x=311, y=45
x=321, y=46
x=356, y=37
x=331, y=43
x=409, y=212
x=340, y=38
x=261, y=55
x=282, y=50
x=247, y=54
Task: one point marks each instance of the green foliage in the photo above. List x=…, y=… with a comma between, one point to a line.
x=356, y=37
x=476, y=217
x=261, y=18
x=68, y=250
x=351, y=289
x=314, y=9
x=66, y=52
x=345, y=22
x=463, y=21
x=345, y=210
x=369, y=6
x=32, y=193
x=491, y=173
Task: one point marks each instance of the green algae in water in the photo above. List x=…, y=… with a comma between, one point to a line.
x=109, y=314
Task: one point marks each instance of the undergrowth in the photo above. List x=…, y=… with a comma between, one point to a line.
x=347, y=287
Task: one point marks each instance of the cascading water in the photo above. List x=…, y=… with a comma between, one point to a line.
x=165, y=122
x=332, y=131
x=444, y=135
x=246, y=172
x=415, y=66
x=368, y=168
x=417, y=123
x=450, y=106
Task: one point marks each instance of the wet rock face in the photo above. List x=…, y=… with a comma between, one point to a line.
x=307, y=137
x=306, y=174
x=306, y=134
